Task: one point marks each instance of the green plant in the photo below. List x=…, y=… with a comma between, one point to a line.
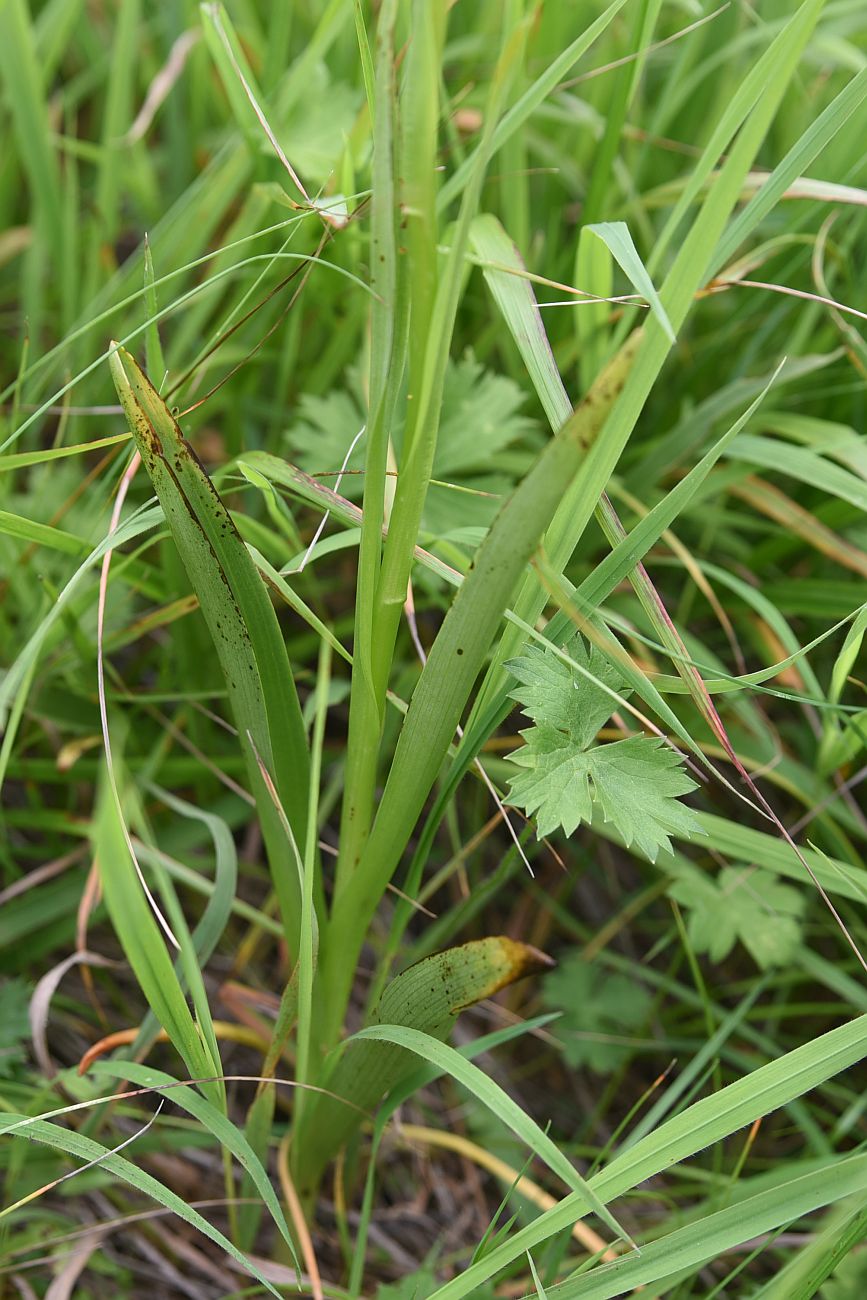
x=340, y=321
x=634, y=782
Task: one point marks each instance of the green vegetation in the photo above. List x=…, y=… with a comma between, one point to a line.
x=432, y=550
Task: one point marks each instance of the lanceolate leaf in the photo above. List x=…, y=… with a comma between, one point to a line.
x=701, y=1124
x=426, y=997
x=716, y=1233
x=143, y=944
x=86, y=1149
x=240, y=617
x=617, y=239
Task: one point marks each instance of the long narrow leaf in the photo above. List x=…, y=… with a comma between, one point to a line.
x=243, y=626
x=85, y=1148
x=699, y=1126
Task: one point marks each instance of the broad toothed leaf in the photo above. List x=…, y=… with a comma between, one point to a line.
x=744, y=903
x=634, y=783
x=601, y=1013
x=554, y=693
x=481, y=417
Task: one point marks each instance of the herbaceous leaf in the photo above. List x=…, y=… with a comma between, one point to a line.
x=323, y=434
x=746, y=904
x=829, y=1264
x=214, y=918
x=498, y=1102
x=480, y=417
x=637, y=784
x=458, y=654
x=316, y=133
x=232, y=595
x=634, y=784
x=555, y=693
x=600, y=1010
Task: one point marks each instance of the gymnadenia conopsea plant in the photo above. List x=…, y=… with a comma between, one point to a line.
x=513, y=629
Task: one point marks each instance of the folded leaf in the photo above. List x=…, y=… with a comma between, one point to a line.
x=240, y=617
x=428, y=996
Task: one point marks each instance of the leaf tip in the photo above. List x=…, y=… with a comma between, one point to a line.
x=117, y=359
x=524, y=959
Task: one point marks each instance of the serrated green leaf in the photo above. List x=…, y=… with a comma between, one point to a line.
x=638, y=782
x=481, y=415
x=745, y=904
x=598, y=1010
x=634, y=783
x=554, y=693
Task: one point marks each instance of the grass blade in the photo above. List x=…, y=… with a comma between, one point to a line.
x=85, y=1148
x=705, y=1122
x=717, y=1233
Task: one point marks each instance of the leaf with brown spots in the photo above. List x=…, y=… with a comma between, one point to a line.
x=240, y=618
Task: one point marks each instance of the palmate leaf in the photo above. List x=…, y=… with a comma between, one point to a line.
x=601, y=1012
x=745, y=904
x=409, y=1288
x=481, y=416
x=634, y=783
x=554, y=693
